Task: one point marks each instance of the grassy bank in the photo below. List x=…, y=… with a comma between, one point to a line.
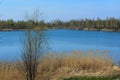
x=93, y=78
x=60, y=66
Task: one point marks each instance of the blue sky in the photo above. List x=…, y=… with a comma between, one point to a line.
x=60, y=9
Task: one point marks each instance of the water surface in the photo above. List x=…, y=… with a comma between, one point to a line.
x=64, y=40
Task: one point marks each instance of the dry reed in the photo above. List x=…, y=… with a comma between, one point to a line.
x=56, y=66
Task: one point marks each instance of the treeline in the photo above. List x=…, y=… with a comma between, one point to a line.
x=86, y=24
x=89, y=24
x=16, y=25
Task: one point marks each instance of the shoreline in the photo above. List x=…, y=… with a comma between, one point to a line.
x=85, y=29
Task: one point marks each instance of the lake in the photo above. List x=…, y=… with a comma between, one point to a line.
x=64, y=40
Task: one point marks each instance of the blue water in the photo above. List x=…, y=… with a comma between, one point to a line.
x=64, y=40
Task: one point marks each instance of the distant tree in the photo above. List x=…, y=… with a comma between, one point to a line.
x=72, y=23
x=10, y=22
x=41, y=24
x=93, y=23
x=107, y=23
x=86, y=23
x=82, y=23
x=98, y=22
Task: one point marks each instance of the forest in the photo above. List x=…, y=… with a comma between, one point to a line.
x=108, y=24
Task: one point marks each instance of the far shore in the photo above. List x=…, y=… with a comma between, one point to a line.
x=84, y=29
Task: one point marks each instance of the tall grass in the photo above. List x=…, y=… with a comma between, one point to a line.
x=9, y=71
x=76, y=63
x=76, y=60
x=59, y=66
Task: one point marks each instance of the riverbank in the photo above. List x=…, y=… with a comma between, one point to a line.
x=60, y=66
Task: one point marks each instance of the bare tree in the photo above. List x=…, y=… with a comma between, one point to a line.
x=32, y=46
x=34, y=17
x=31, y=53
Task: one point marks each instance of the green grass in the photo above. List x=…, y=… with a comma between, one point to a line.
x=91, y=78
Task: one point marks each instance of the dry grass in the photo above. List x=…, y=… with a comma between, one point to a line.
x=76, y=64
x=9, y=71
x=57, y=66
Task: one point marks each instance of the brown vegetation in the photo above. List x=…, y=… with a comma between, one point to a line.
x=58, y=66
x=9, y=71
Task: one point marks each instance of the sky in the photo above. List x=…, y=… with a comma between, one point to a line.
x=60, y=9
